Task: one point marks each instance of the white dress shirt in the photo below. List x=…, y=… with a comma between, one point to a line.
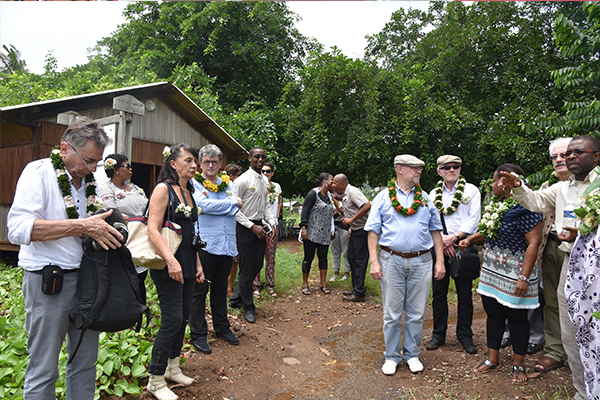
x=38, y=197
x=252, y=189
x=466, y=217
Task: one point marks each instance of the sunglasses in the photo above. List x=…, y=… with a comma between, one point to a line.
x=577, y=152
x=449, y=167
x=267, y=171
x=128, y=166
x=260, y=156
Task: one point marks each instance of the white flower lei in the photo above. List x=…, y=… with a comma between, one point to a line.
x=456, y=199
x=490, y=220
x=93, y=202
x=186, y=210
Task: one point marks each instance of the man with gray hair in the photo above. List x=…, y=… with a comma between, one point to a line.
x=406, y=225
x=216, y=196
x=550, y=257
x=48, y=217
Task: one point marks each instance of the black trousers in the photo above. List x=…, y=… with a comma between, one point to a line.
x=175, y=302
x=251, y=251
x=309, y=255
x=518, y=325
x=358, y=256
x=216, y=269
x=464, y=289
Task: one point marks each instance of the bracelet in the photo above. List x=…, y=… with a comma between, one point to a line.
x=524, y=278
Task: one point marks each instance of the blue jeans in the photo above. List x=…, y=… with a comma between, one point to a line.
x=404, y=287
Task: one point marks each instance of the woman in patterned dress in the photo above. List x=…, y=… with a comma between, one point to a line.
x=317, y=229
x=508, y=282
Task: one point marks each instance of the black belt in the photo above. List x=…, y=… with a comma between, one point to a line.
x=412, y=254
x=65, y=271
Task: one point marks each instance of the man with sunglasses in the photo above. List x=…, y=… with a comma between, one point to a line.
x=459, y=205
x=581, y=157
x=48, y=218
x=254, y=223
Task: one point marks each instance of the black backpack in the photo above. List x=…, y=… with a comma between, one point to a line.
x=108, y=291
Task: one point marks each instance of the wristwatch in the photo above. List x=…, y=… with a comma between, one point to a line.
x=457, y=235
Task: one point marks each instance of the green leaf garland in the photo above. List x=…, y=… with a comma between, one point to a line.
x=457, y=198
x=417, y=203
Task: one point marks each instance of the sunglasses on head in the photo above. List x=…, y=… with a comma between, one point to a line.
x=267, y=171
x=449, y=167
x=260, y=156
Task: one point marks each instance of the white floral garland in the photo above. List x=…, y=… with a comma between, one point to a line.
x=456, y=199
x=93, y=202
x=493, y=212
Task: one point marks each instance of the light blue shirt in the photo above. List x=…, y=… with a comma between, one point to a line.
x=216, y=224
x=400, y=233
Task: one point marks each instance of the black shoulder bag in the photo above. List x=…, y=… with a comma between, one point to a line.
x=465, y=264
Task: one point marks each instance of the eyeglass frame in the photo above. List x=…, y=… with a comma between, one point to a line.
x=128, y=166
x=576, y=152
x=259, y=156
x=99, y=164
x=208, y=163
x=267, y=171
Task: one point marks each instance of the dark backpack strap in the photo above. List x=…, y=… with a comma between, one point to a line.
x=77, y=347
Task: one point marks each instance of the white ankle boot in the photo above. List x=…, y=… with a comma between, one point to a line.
x=158, y=387
x=173, y=373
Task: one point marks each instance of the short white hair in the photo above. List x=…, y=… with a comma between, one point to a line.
x=562, y=140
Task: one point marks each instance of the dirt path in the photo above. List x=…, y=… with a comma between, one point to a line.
x=319, y=347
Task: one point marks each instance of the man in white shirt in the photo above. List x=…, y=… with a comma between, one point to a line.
x=48, y=219
x=459, y=205
x=581, y=158
x=251, y=231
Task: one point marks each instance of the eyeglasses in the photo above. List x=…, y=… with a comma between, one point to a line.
x=128, y=166
x=449, y=167
x=419, y=168
x=267, y=171
x=260, y=156
x=577, y=152
x=88, y=166
x=554, y=157
x=210, y=162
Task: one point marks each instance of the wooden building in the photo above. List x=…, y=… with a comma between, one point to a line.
x=143, y=120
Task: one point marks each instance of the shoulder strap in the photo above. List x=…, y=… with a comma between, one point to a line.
x=443, y=223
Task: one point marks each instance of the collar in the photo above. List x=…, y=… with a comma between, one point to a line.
x=591, y=176
x=398, y=190
x=445, y=189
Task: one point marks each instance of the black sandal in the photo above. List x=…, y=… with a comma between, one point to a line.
x=325, y=289
x=517, y=369
x=305, y=290
x=490, y=367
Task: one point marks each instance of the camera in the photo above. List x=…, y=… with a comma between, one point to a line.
x=198, y=243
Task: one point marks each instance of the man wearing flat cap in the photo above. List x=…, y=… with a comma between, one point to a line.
x=406, y=225
x=459, y=206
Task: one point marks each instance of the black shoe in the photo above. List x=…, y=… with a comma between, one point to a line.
x=505, y=342
x=354, y=299
x=434, y=343
x=233, y=304
x=469, y=347
x=249, y=316
x=533, y=348
x=202, y=345
x=229, y=337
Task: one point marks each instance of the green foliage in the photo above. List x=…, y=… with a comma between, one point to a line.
x=11, y=61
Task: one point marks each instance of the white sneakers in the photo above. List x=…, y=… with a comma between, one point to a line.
x=414, y=365
x=389, y=367
x=344, y=277
x=333, y=277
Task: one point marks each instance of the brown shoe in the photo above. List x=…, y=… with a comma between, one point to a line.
x=347, y=292
x=354, y=298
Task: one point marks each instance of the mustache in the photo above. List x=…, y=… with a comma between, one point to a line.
x=560, y=164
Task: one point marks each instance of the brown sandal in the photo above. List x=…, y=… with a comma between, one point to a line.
x=547, y=364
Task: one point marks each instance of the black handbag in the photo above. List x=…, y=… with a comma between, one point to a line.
x=465, y=264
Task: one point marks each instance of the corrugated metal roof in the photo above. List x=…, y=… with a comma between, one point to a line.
x=25, y=114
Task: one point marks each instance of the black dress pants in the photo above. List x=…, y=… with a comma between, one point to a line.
x=464, y=289
x=358, y=256
x=251, y=252
x=216, y=269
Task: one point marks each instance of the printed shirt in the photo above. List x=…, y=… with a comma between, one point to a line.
x=38, y=197
x=466, y=217
x=216, y=224
x=129, y=203
x=400, y=233
x=252, y=189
